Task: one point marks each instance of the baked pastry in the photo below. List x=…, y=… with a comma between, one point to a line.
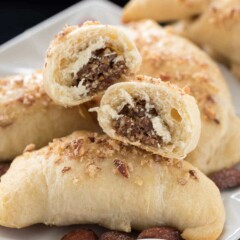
x=90, y=178
x=152, y=115
x=217, y=30
x=82, y=62
x=163, y=10
x=28, y=116
x=175, y=59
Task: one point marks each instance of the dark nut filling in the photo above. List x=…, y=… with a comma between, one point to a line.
x=136, y=124
x=101, y=71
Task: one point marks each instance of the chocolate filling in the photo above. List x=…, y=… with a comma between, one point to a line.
x=101, y=71
x=136, y=124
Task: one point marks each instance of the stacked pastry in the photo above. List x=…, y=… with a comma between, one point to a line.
x=178, y=61
x=29, y=116
x=214, y=25
x=134, y=175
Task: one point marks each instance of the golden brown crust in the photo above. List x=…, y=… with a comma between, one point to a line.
x=163, y=10
x=90, y=178
x=175, y=59
x=29, y=116
x=23, y=89
x=217, y=31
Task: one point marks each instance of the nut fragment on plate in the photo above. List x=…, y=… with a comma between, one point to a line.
x=226, y=178
x=166, y=233
x=3, y=168
x=80, y=234
x=113, y=235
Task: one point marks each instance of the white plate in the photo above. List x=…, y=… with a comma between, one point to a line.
x=26, y=52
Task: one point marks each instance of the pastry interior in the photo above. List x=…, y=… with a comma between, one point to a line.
x=94, y=69
x=104, y=68
x=142, y=122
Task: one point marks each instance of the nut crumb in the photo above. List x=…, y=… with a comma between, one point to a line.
x=91, y=139
x=139, y=182
x=29, y=148
x=92, y=170
x=187, y=90
x=121, y=167
x=179, y=165
x=146, y=162
x=5, y=121
x=130, y=167
x=182, y=181
x=193, y=174
x=78, y=147
x=76, y=180
x=66, y=169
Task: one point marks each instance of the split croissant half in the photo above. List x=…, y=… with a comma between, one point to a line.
x=163, y=10
x=176, y=60
x=152, y=115
x=90, y=178
x=29, y=116
x=82, y=62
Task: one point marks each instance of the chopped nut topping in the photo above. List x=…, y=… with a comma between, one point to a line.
x=77, y=145
x=75, y=148
x=89, y=23
x=91, y=139
x=187, y=90
x=66, y=169
x=130, y=167
x=29, y=148
x=179, y=164
x=146, y=162
x=210, y=114
x=182, y=181
x=5, y=121
x=139, y=182
x=58, y=161
x=92, y=170
x=210, y=99
x=165, y=77
x=27, y=99
x=121, y=167
x=193, y=174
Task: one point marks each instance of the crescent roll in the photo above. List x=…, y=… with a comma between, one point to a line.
x=90, y=178
x=163, y=10
x=82, y=62
x=29, y=116
x=175, y=59
x=218, y=31
x=152, y=115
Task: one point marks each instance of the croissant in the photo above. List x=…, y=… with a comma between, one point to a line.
x=175, y=59
x=29, y=116
x=82, y=62
x=152, y=115
x=163, y=10
x=90, y=178
x=218, y=31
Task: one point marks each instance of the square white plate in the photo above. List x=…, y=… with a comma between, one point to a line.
x=26, y=52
